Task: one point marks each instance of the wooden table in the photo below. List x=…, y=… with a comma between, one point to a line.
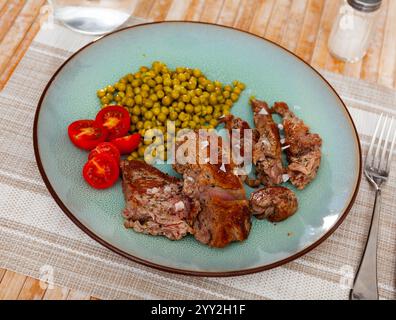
x=302, y=26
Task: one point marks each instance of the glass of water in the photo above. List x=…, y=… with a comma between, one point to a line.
x=94, y=17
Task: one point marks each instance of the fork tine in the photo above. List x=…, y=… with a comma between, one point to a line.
x=390, y=157
x=377, y=151
x=385, y=148
x=370, y=157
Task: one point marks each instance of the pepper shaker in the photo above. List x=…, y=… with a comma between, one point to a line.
x=353, y=29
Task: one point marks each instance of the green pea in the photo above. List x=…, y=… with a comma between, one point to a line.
x=136, y=111
x=217, y=84
x=229, y=102
x=148, y=103
x=167, y=82
x=175, y=94
x=165, y=110
x=148, y=115
x=110, y=89
x=139, y=99
x=213, y=122
x=192, y=124
x=166, y=101
x=186, y=98
x=162, y=117
x=173, y=116
x=101, y=93
x=105, y=100
x=210, y=87
x=189, y=108
x=160, y=94
x=195, y=101
x=151, y=83
x=122, y=87
x=134, y=119
x=148, y=125
x=234, y=97
x=135, y=83
x=213, y=99
x=156, y=111
x=241, y=86
x=237, y=90
x=197, y=73
x=197, y=109
x=130, y=102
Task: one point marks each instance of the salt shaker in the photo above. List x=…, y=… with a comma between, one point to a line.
x=353, y=29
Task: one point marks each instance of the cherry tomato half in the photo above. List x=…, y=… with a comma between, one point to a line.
x=127, y=144
x=86, y=134
x=101, y=172
x=116, y=119
x=107, y=148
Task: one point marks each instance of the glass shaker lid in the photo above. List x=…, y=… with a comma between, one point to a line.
x=365, y=5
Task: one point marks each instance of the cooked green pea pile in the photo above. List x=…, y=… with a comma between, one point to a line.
x=157, y=94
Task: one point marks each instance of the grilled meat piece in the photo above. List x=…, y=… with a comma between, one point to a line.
x=232, y=123
x=155, y=203
x=273, y=203
x=267, y=150
x=224, y=214
x=304, y=154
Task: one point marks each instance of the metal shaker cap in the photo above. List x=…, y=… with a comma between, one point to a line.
x=365, y=5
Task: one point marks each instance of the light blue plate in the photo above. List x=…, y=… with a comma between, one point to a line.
x=270, y=73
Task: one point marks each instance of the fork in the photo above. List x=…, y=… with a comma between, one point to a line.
x=376, y=170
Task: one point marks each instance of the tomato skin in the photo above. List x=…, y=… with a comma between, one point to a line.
x=86, y=134
x=108, y=148
x=101, y=172
x=115, y=119
x=127, y=144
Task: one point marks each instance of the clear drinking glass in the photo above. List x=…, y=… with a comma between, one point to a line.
x=94, y=17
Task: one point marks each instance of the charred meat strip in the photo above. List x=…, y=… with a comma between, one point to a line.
x=267, y=150
x=232, y=123
x=273, y=203
x=304, y=152
x=155, y=203
x=224, y=214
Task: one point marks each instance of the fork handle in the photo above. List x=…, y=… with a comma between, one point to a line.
x=366, y=286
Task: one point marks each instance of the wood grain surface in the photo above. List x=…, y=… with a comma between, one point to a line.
x=302, y=26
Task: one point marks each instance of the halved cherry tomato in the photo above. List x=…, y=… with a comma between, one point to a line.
x=127, y=144
x=108, y=148
x=116, y=119
x=86, y=134
x=101, y=172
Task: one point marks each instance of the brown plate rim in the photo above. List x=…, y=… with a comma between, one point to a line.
x=90, y=233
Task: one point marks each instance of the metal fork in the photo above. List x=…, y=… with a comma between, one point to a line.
x=376, y=170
